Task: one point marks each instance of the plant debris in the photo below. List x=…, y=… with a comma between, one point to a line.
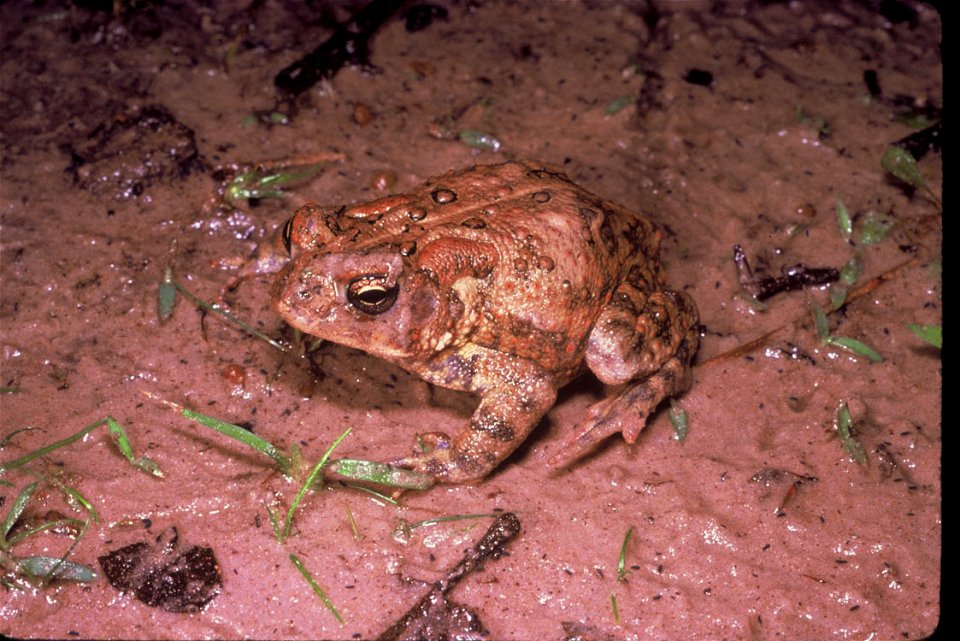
x=772, y=478
x=576, y=631
x=165, y=575
x=436, y=617
x=124, y=156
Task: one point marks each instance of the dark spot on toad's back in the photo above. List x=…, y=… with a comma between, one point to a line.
x=474, y=223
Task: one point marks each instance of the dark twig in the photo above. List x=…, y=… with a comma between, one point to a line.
x=349, y=45
x=426, y=620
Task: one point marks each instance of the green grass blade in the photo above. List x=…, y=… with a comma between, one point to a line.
x=26, y=458
x=237, y=433
x=315, y=473
x=404, y=528
x=622, y=561
x=75, y=496
x=199, y=302
x=380, y=496
x=316, y=587
x=25, y=534
x=9, y=436
x=381, y=473
x=275, y=522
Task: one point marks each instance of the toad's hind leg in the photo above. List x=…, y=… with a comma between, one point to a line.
x=644, y=356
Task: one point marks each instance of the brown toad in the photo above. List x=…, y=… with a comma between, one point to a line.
x=503, y=280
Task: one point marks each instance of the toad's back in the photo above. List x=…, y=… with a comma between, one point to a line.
x=548, y=254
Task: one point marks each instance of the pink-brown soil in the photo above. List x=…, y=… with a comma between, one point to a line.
x=758, y=525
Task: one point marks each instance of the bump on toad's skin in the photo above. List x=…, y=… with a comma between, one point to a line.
x=503, y=280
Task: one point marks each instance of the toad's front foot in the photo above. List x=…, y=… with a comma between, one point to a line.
x=437, y=458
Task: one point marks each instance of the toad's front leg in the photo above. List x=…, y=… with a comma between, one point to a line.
x=515, y=394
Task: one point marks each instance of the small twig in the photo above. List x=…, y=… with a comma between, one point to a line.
x=795, y=278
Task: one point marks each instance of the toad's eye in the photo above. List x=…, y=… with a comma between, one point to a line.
x=371, y=294
x=286, y=234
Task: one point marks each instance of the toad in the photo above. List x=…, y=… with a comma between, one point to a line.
x=507, y=281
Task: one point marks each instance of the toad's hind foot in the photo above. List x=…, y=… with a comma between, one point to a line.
x=626, y=410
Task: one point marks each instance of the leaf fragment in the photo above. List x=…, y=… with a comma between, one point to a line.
x=166, y=295
x=932, y=334
x=120, y=438
x=678, y=418
x=49, y=568
x=620, y=103
x=857, y=347
x=479, y=140
x=843, y=220
x=850, y=272
x=820, y=321
x=838, y=296
x=875, y=228
x=844, y=424
x=903, y=166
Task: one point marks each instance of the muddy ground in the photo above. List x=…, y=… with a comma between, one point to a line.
x=725, y=122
